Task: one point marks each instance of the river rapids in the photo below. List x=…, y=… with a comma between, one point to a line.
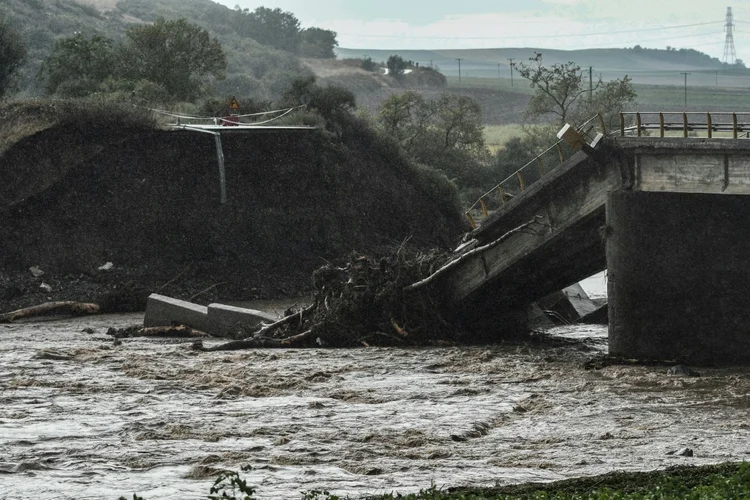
x=83, y=418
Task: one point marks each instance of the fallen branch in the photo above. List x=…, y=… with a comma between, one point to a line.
x=48, y=308
x=172, y=331
x=204, y=291
x=299, y=316
x=450, y=265
x=256, y=343
x=179, y=275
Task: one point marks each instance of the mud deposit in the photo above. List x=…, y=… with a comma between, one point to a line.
x=82, y=418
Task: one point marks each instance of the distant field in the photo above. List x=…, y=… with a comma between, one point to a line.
x=519, y=85
x=497, y=135
x=669, y=97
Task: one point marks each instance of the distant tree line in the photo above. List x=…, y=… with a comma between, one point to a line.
x=686, y=55
x=282, y=30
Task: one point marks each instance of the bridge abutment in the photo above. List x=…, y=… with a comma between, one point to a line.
x=679, y=276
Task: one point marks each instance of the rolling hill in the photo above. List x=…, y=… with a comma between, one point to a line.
x=644, y=66
x=41, y=22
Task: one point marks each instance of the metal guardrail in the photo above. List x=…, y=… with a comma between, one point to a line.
x=521, y=179
x=663, y=122
x=230, y=120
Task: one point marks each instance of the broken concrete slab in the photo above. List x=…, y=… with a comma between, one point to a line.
x=538, y=319
x=229, y=319
x=165, y=311
x=598, y=317
x=568, y=305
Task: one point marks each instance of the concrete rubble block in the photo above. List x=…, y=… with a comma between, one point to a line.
x=598, y=317
x=164, y=311
x=568, y=305
x=229, y=319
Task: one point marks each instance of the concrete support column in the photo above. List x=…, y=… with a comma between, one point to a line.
x=679, y=276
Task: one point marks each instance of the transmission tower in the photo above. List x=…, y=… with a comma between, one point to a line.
x=730, y=56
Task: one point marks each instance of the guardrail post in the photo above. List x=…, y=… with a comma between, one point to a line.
x=484, y=208
x=502, y=193
x=638, y=122
x=684, y=124
x=661, y=124
x=709, y=125
x=602, y=125
x=521, y=181
x=734, y=125
x=560, y=153
x=622, y=124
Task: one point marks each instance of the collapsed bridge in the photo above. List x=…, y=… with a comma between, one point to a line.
x=666, y=216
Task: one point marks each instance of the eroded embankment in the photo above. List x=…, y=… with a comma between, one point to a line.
x=148, y=201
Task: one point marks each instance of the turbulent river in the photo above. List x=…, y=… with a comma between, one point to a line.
x=82, y=418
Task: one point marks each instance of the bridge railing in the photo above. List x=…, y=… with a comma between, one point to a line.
x=230, y=120
x=683, y=123
x=527, y=175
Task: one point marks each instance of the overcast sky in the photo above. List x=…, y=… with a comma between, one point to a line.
x=562, y=24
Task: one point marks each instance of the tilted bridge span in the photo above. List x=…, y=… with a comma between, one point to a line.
x=668, y=217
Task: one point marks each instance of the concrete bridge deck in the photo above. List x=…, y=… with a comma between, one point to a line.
x=590, y=214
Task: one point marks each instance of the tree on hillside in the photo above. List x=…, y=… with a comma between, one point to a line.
x=78, y=65
x=557, y=88
x=12, y=57
x=178, y=55
x=317, y=42
x=406, y=118
x=396, y=65
x=333, y=103
x=611, y=98
x=272, y=27
x=445, y=132
x=562, y=91
x=460, y=121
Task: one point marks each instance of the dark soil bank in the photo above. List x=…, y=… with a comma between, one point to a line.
x=77, y=197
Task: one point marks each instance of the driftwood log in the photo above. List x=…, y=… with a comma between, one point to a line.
x=173, y=331
x=257, y=343
x=51, y=308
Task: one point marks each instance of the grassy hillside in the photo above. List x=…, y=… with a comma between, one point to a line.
x=252, y=68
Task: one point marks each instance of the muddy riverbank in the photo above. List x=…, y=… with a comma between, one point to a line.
x=83, y=418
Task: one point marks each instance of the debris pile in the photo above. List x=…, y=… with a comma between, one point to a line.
x=362, y=304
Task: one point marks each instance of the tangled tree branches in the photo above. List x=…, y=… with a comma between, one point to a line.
x=362, y=303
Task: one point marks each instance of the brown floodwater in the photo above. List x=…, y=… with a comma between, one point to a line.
x=81, y=418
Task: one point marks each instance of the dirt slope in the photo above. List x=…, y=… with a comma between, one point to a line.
x=148, y=201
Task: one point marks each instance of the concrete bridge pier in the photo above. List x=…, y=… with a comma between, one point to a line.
x=679, y=276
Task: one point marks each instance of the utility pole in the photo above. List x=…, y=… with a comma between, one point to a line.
x=591, y=83
x=685, y=75
x=511, y=70
x=459, y=59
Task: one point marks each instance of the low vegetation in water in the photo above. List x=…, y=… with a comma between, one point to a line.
x=725, y=481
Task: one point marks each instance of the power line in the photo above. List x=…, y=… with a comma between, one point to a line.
x=515, y=37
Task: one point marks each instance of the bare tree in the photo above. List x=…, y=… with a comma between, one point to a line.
x=558, y=88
